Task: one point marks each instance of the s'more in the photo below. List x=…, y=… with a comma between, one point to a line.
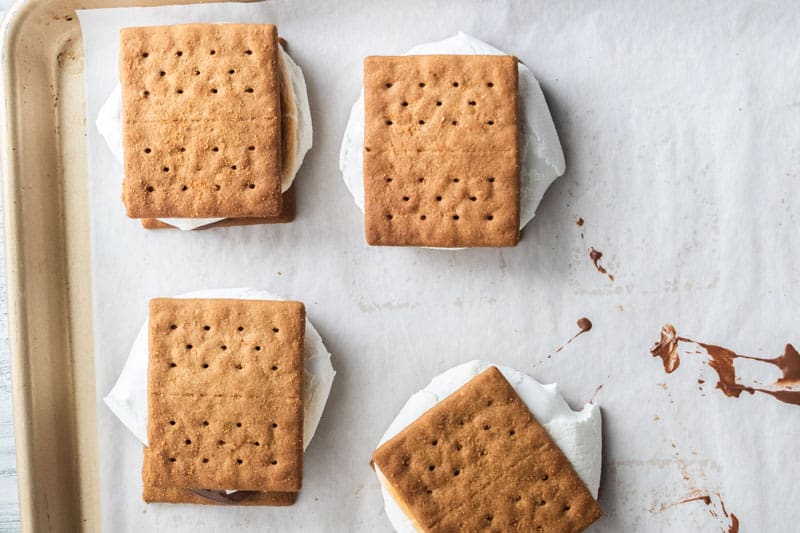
x=225, y=402
x=441, y=150
x=210, y=125
x=479, y=460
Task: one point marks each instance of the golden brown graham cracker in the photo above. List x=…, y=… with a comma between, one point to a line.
x=225, y=391
x=288, y=212
x=441, y=151
x=201, y=121
x=479, y=460
x=288, y=148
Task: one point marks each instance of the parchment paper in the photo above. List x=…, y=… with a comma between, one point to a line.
x=681, y=127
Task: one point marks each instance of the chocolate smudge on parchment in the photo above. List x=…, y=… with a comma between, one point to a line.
x=734, y=527
x=716, y=507
x=722, y=360
x=706, y=499
x=667, y=348
x=728, y=522
x=584, y=324
x=596, y=255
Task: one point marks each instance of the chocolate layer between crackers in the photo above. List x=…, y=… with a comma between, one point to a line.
x=201, y=121
x=203, y=497
x=287, y=215
x=479, y=460
x=225, y=397
x=441, y=151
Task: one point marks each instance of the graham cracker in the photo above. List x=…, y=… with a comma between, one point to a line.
x=288, y=148
x=288, y=212
x=201, y=121
x=441, y=151
x=225, y=395
x=480, y=460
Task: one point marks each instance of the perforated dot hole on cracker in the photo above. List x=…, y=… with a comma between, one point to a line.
x=202, y=122
x=479, y=460
x=225, y=398
x=441, y=154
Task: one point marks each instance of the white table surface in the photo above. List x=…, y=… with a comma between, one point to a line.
x=9, y=508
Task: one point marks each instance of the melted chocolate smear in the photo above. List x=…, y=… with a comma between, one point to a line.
x=667, y=348
x=722, y=361
x=706, y=499
x=788, y=363
x=733, y=527
x=595, y=256
x=220, y=496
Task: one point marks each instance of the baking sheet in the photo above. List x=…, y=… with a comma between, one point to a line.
x=680, y=124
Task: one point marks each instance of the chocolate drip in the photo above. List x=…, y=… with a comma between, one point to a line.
x=584, y=324
x=734, y=527
x=595, y=256
x=713, y=510
x=706, y=499
x=788, y=363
